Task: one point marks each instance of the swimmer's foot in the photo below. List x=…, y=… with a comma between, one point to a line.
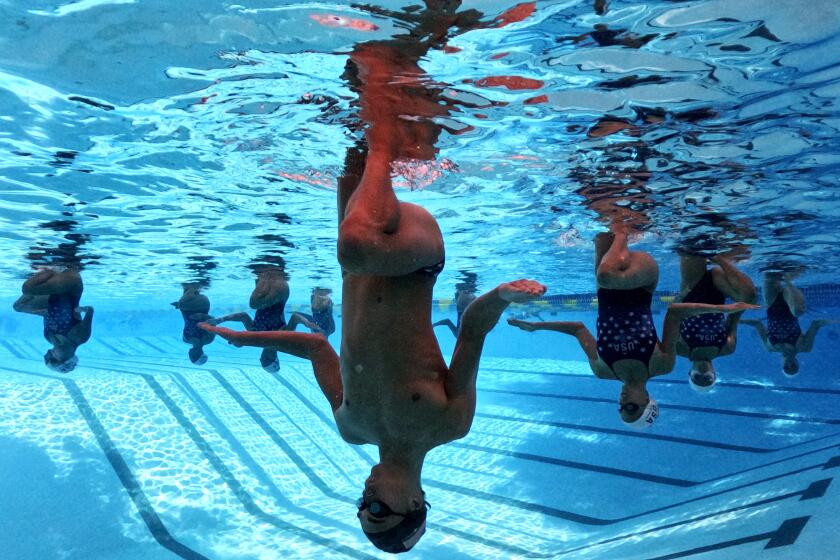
x=520, y=291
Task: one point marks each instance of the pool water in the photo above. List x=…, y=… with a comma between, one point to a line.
x=138, y=454
x=155, y=144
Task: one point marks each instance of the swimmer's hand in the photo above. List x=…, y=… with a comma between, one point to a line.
x=524, y=325
x=176, y=304
x=232, y=336
x=520, y=291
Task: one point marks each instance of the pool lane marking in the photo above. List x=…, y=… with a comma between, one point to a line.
x=118, y=463
x=15, y=352
x=233, y=483
x=748, y=386
x=721, y=411
x=658, y=437
x=206, y=449
x=815, y=490
x=610, y=470
x=833, y=462
x=786, y=535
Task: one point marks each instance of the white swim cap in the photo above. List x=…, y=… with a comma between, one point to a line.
x=648, y=417
x=702, y=388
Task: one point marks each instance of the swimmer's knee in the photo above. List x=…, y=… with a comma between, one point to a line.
x=354, y=243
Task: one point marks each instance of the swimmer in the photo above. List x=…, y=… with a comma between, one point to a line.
x=783, y=334
x=627, y=348
x=464, y=296
x=195, y=308
x=54, y=293
x=710, y=335
x=268, y=299
x=321, y=321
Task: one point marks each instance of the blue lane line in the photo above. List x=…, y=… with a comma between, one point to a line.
x=707, y=410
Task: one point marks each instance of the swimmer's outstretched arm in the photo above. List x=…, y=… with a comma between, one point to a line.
x=806, y=341
x=312, y=347
x=761, y=330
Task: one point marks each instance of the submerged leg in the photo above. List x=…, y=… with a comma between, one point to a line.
x=622, y=269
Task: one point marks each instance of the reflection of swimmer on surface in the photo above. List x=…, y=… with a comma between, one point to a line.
x=627, y=347
x=785, y=304
x=464, y=296
x=391, y=386
x=195, y=308
x=268, y=299
x=321, y=321
x=710, y=335
x=54, y=293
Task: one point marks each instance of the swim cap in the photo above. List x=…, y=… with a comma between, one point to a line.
x=66, y=366
x=699, y=387
x=648, y=417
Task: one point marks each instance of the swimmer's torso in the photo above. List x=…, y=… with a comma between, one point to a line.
x=391, y=366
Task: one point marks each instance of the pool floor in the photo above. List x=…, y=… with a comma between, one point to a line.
x=140, y=454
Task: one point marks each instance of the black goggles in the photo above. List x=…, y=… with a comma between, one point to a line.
x=377, y=509
x=629, y=408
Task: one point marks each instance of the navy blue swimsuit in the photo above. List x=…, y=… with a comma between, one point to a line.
x=191, y=328
x=271, y=318
x=782, y=326
x=708, y=329
x=625, y=325
x=324, y=319
x=60, y=317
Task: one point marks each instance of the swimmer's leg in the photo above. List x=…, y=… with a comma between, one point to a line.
x=622, y=269
x=692, y=269
x=732, y=282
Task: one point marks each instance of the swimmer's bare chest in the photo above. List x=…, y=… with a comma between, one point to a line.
x=386, y=406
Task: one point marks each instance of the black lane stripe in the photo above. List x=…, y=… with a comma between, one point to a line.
x=668, y=481
x=498, y=545
x=326, y=490
x=628, y=433
x=149, y=344
x=596, y=429
x=570, y=516
x=785, y=535
x=722, y=411
x=218, y=464
x=748, y=386
x=814, y=490
x=13, y=350
x=609, y=470
x=129, y=482
x=233, y=483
